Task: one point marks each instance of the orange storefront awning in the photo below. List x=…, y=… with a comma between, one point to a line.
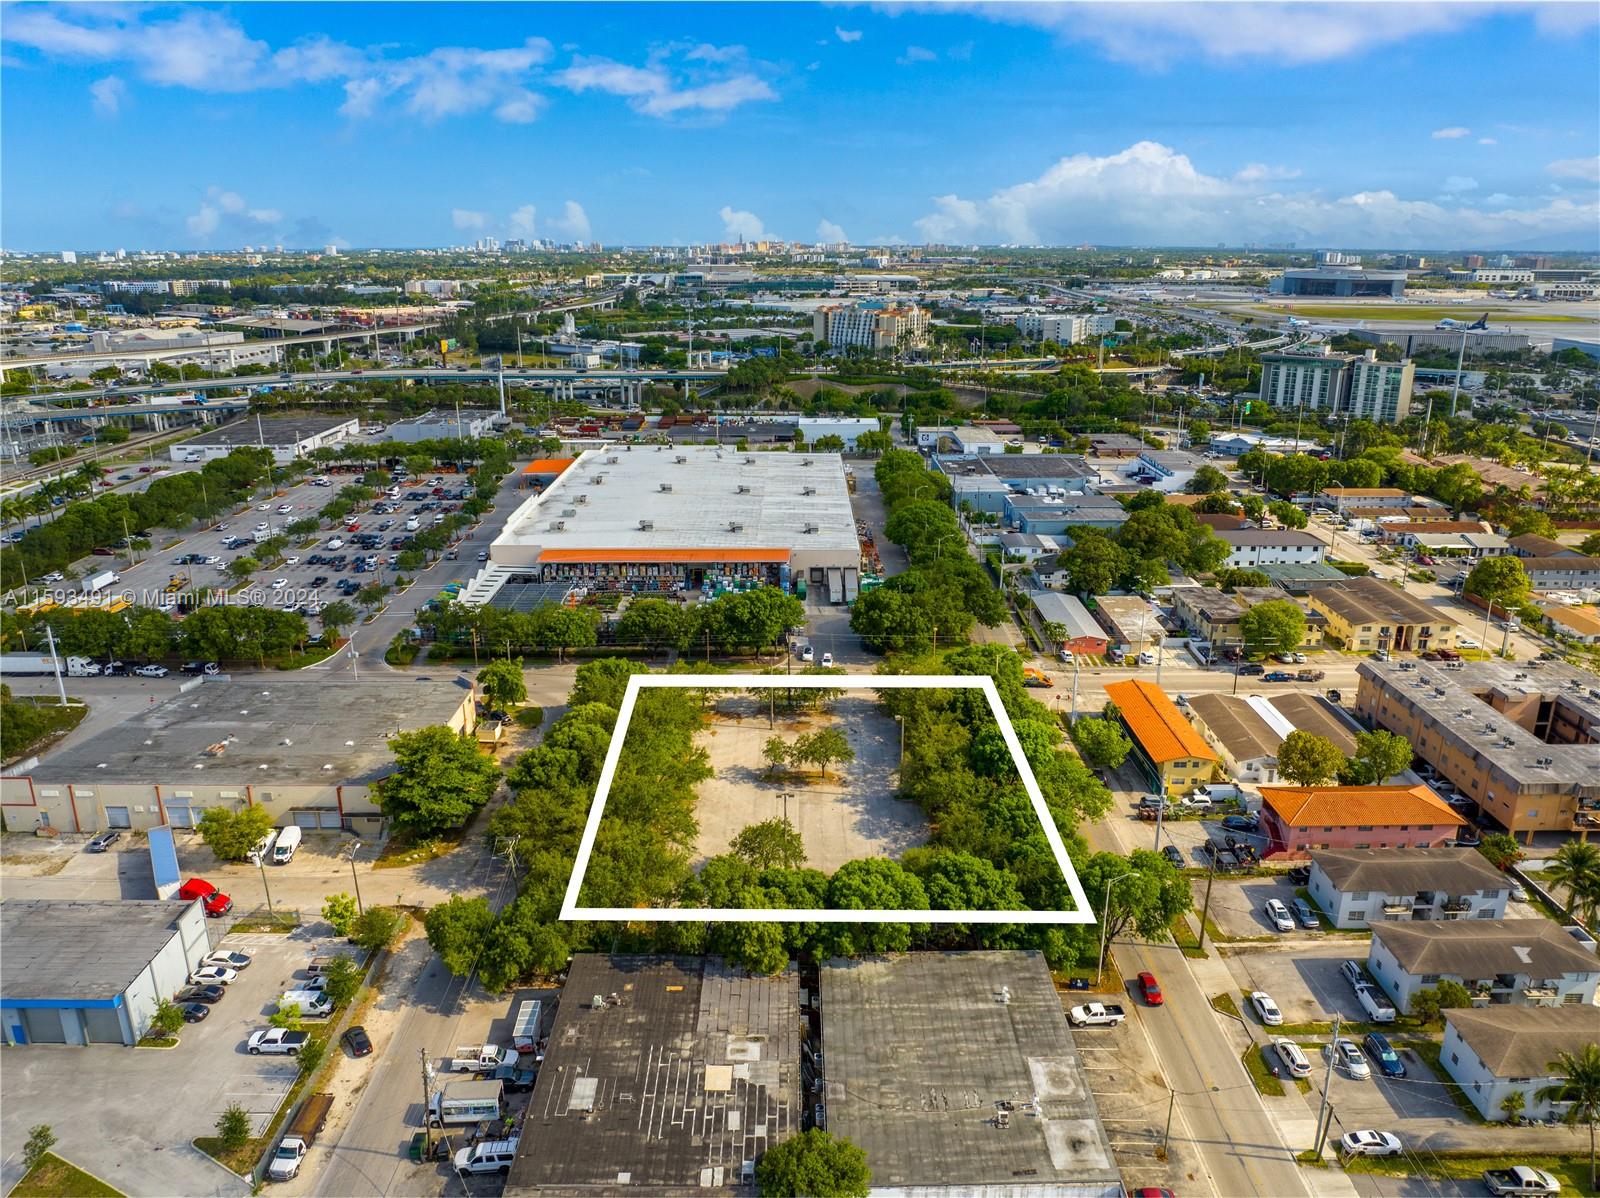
x=698, y=557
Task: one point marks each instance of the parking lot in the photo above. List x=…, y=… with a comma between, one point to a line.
x=128, y=1115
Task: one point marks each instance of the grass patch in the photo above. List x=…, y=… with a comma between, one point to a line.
x=1256, y=1066
x=1225, y=1003
x=298, y=661
x=157, y=1040
x=1571, y=1170
x=282, y=921
x=1183, y=936
x=52, y=720
x=53, y=1177
x=1315, y=1159
x=402, y=850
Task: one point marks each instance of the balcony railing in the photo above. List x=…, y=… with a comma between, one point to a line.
x=1455, y=905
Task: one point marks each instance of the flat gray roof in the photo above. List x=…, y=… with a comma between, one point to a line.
x=686, y=1069
x=292, y=727
x=1288, y=538
x=1055, y=607
x=80, y=949
x=1367, y=600
x=443, y=416
x=699, y=507
x=921, y=1051
x=276, y=432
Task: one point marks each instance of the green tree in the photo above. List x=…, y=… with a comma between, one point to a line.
x=168, y=1018
x=340, y=911
x=1277, y=626
x=41, y=1139
x=233, y=1127
x=1501, y=580
x=771, y=844
x=776, y=752
x=377, y=927
x=286, y=1017
x=240, y=568
x=457, y=929
x=1501, y=849
x=503, y=684
x=232, y=834
x=1101, y=743
x=342, y=980
x=1207, y=480
x=603, y=681
x=1288, y=514
x=1379, y=756
x=1590, y=545
x=1531, y=521
x=1428, y=1002
x=657, y=624
x=310, y=1056
x=1580, y=1090
x=1576, y=869
x=823, y=747
x=441, y=777
x=814, y=1164
x=1513, y=1104
x=1095, y=563
x=1306, y=759
x=336, y=617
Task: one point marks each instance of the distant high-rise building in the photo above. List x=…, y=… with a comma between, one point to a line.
x=277, y=249
x=69, y=256
x=1338, y=258
x=1339, y=384
x=1471, y=261
x=121, y=254
x=872, y=325
x=331, y=251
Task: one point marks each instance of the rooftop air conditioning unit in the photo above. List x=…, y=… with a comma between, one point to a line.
x=809, y=528
x=807, y=462
x=646, y=525
x=749, y=461
x=735, y=526
x=680, y=459
x=666, y=486
x=581, y=499
x=612, y=460
x=557, y=525
x=571, y=511
x=808, y=490
x=743, y=490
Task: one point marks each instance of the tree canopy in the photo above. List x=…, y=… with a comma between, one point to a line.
x=441, y=777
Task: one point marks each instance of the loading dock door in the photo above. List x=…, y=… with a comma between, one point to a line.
x=329, y=819
x=305, y=819
x=117, y=817
x=180, y=817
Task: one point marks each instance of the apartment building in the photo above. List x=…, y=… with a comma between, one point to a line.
x=1522, y=741
x=1064, y=330
x=1365, y=614
x=1361, y=887
x=1495, y=1051
x=873, y=324
x=1171, y=755
x=1296, y=820
x=1512, y=962
x=1248, y=547
x=1361, y=386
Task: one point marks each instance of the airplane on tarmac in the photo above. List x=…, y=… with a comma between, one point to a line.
x=1482, y=323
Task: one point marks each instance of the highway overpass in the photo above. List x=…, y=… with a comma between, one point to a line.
x=10, y=360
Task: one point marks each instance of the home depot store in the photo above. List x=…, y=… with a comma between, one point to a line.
x=671, y=518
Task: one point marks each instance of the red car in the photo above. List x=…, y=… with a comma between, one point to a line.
x=1151, y=988
x=215, y=902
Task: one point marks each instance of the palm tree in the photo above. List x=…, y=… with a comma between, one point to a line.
x=1581, y=1090
x=1513, y=1104
x=1576, y=867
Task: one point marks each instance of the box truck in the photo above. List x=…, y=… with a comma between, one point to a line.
x=42, y=663
x=101, y=580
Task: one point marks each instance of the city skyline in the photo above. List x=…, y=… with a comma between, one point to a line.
x=416, y=126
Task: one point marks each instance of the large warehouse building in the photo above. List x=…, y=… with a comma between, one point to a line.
x=663, y=1076
x=92, y=972
x=1015, y=1118
x=669, y=519
x=306, y=750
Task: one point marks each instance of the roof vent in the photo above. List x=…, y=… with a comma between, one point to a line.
x=666, y=486
x=557, y=525
x=581, y=499
x=735, y=526
x=613, y=460
x=571, y=511
x=742, y=490
x=808, y=490
x=809, y=528
x=646, y=525
x=807, y=462
x=749, y=461
x=680, y=459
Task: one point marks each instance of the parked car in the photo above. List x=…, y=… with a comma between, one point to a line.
x=1306, y=916
x=1279, y=676
x=1369, y=1143
x=1352, y=973
x=194, y=1012
x=103, y=841
x=208, y=974
x=151, y=671
x=1295, y=1061
x=1266, y=1009
x=1347, y=1056
x=357, y=1041
x=827, y=659
x=206, y=994
x=1278, y=915
x=1251, y=669
x=1239, y=823
x=1173, y=854
x=215, y=902
x=233, y=960
x=1383, y=1055
x=1150, y=988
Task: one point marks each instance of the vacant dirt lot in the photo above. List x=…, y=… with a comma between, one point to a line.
x=853, y=813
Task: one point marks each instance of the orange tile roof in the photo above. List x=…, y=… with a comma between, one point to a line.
x=547, y=465
x=680, y=556
x=1357, y=806
x=1162, y=731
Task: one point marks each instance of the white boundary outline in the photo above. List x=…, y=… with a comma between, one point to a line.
x=570, y=909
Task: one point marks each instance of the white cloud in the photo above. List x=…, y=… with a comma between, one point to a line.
x=916, y=54
x=1256, y=172
x=109, y=95
x=466, y=218
x=737, y=224
x=1459, y=183
x=228, y=213
x=1151, y=193
x=829, y=232
x=573, y=222
x=1159, y=34
x=453, y=81
x=1451, y=132
x=521, y=222
x=1587, y=169
x=847, y=35
x=656, y=90
x=1488, y=141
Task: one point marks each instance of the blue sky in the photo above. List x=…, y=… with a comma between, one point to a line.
x=200, y=126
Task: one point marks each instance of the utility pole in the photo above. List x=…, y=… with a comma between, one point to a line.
x=1166, y=1135
x=1455, y=387
x=427, y=1104
x=1327, y=1084
x=55, y=661
x=355, y=847
x=1205, y=907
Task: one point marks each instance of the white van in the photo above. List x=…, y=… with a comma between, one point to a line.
x=312, y=1003
x=412, y=524
x=335, y=542
x=288, y=842
x=262, y=848
x=490, y=1156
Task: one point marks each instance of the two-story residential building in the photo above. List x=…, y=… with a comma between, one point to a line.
x=1171, y=755
x=1298, y=819
x=1360, y=887
x=1365, y=614
x=1495, y=1051
x=1249, y=547
x=1521, y=962
x=1209, y=614
x=1569, y=572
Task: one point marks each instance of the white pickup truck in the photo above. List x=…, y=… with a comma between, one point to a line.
x=1520, y=1180
x=275, y=1039
x=1096, y=1014
x=481, y=1058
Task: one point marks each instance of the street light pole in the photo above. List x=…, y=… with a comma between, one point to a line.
x=1105, y=924
x=355, y=847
